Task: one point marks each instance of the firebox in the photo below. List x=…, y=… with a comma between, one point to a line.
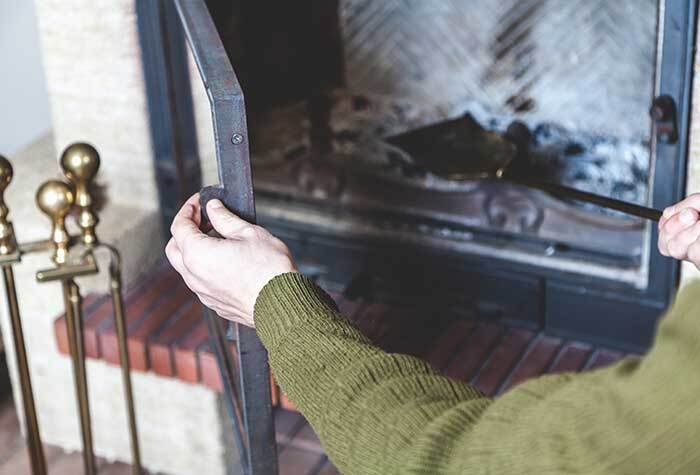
x=329, y=84
x=365, y=115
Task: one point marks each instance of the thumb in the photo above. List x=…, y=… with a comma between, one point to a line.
x=223, y=221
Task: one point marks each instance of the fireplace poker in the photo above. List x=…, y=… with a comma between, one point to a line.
x=115, y=285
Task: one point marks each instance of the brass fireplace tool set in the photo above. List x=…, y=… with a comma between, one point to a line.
x=73, y=256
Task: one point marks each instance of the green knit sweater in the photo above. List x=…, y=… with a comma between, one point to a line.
x=379, y=413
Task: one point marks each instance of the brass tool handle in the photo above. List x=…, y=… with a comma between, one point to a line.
x=80, y=163
x=55, y=199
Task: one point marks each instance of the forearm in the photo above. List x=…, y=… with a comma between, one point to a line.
x=381, y=413
x=366, y=405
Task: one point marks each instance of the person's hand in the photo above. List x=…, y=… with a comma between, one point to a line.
x=226, y=273
x=679, y=230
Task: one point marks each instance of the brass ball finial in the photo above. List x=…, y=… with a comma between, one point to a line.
x=5, y=173
x=80, y=163
x=7, y=235
x=55, y=199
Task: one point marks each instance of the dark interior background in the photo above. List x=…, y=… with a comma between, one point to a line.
x=283, y=51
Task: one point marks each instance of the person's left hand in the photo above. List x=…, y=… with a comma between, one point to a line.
x=226, y=273
x=679, y=230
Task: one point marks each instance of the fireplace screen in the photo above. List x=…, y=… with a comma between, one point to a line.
x=576, y=78
x=336, y=91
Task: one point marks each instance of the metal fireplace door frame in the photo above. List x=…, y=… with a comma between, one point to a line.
x=248, y=402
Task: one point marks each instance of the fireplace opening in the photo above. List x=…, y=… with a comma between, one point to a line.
x=329, y=83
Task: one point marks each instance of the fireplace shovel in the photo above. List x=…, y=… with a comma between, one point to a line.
x=461, y=150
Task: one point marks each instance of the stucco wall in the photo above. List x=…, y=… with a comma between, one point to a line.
x=24, y=104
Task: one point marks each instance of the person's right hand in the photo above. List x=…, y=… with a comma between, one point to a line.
x=226, y=273
x=679, y=230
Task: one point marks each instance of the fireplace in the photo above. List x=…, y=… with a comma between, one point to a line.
x=592, y=98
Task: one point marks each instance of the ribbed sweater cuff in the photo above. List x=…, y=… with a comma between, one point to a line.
x=286, y=302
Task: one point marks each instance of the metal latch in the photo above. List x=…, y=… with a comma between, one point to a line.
x=664, y=113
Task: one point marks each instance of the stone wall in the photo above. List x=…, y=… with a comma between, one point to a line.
x=92, y=59
x=95, y=82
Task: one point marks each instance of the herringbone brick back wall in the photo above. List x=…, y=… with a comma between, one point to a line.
x=586, y=64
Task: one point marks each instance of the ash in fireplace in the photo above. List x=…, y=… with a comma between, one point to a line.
x=587, y=161
x=599, y=164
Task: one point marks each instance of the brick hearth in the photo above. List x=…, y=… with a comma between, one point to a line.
x=167, y=335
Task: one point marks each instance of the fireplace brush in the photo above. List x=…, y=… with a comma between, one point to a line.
x=460, y=149
x=73, y=257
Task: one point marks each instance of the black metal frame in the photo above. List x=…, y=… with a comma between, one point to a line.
x=567, y=304
x=162, y=24
x=675, y=77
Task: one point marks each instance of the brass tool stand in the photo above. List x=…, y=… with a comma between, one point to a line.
x=73, y=257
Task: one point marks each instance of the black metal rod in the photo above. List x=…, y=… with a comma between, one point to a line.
x=254, y=375
x=235, y=190
x=227, y=368
x=571, y=193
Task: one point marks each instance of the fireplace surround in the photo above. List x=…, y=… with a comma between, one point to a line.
x=382, y=228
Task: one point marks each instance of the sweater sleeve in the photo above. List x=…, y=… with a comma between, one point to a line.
x=380, y=413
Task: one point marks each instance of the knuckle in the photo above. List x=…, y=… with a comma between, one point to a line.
x=694, y=253
x=189, y=258
x=673, y=227
x=676, y=249
x=249, y=231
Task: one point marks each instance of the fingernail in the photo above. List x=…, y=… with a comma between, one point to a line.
x=214, y=204
x=687, y=216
